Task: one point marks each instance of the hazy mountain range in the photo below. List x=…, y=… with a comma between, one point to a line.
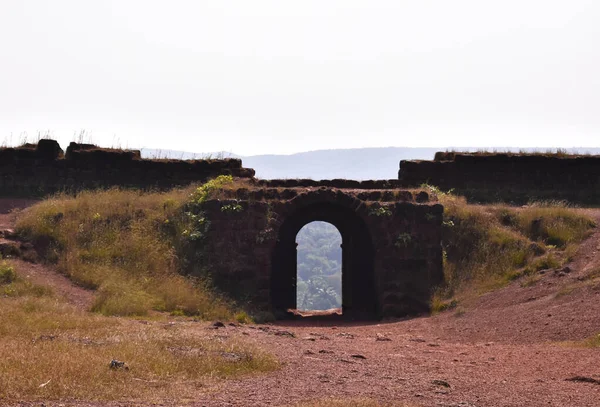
x=358, y=163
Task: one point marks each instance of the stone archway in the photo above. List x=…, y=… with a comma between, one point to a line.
x=391, y=246
x=359, y=299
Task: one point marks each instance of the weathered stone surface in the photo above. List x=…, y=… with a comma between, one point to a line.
x=42, y=169
x=513, y=178
x=392, y=250
x=392, y=255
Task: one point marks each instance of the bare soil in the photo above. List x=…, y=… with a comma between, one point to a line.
x=511, y=347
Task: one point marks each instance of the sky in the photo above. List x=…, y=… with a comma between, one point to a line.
x=257, y=77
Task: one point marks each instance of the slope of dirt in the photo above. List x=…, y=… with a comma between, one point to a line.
x=505, y=349
x=39, y=273
x=560, y=306
x=9, y=207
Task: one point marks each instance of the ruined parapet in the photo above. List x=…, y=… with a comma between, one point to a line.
x=517, y=178
x=43, y=168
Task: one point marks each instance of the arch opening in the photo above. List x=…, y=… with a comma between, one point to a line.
x=359, y=300
x=319, y=268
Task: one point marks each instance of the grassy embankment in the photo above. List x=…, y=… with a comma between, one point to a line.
x=488, y=246
x=52, y=350
x=128, y=247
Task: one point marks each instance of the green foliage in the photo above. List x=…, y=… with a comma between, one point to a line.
x=380, y=211
x=319, y=267
x=231, y=208
x=11, y=285
x=439, y=305
x=195, y=220
x=242, y=317
x=7, y=273
x=434, y=190
x=197, y=226
x=203, y=192
x=403, y=240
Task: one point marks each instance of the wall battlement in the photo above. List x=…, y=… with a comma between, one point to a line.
x=38, y=169
x=517, y=178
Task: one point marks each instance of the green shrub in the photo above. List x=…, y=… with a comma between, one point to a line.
x=242, y=317
x=11, y=285
x=7, y=273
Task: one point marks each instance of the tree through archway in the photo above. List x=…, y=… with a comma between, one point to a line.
x=319, y=267
x=359, y=299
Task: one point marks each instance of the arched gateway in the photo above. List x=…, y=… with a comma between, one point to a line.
x=391, y=246
x=358, y=279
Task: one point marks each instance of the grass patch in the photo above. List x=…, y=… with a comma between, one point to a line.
x=7, y=273
x=127, y=245
x=50, y=350
x=12, y=285
x=553, y=224
x=530, y=280
x=593, y=342
x=487, y=247
x=591, y=280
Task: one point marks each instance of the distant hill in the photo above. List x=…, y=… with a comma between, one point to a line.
x=358, y=163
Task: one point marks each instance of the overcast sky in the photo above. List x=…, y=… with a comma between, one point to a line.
x=278, y=76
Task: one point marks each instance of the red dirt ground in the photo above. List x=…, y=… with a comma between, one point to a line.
x=505, y=349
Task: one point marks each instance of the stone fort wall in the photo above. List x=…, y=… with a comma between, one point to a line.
x=405, y=231
x=43, y=168
x=392, y=237
x=514, y=178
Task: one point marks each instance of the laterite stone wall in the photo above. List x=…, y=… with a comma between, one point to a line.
x=513, y=178
x=43, y=168
x=246, y=252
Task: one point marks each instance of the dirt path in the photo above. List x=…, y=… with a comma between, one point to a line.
x=414, y=368
x=40, y=273
x=505, y=349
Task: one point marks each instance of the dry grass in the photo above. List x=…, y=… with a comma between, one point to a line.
x=12, y=285
x=486, y=247
x=591, y=280
x=593, y=342
x=125, y=244
x=558, y=152
x=51, y=350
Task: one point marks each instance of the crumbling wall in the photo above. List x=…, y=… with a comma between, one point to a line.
x=515, y=178
x=405, y=232
x=43, y=168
